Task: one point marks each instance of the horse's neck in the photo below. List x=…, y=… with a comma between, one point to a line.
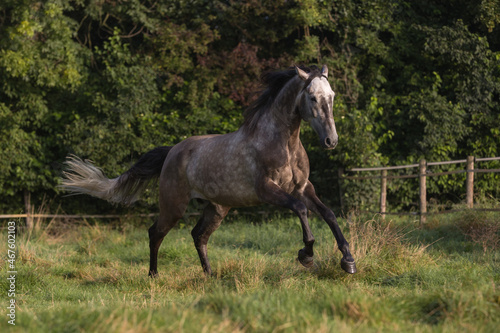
x=281, y=125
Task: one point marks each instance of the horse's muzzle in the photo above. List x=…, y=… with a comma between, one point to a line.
x=330, y=142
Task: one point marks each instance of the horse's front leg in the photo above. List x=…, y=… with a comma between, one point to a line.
x=271, y=193
x=314, y=203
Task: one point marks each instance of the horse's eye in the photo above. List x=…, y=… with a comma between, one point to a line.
x=313, y=99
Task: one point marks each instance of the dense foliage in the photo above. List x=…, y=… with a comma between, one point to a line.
x=108, y=80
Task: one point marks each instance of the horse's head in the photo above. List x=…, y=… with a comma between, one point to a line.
x=315, y=104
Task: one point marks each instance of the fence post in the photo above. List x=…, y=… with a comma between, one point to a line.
x=470, y=181
x=423, y=192
x=383, y=192
x=27, y=207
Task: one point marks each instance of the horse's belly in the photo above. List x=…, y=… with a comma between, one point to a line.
x=226, y=184
x=231, y=195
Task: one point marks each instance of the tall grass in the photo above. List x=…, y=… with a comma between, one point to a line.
x=93, y=277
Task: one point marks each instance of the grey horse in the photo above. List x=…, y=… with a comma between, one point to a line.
x=264, y=161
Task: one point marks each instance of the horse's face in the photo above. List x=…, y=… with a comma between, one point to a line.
x=316, y=105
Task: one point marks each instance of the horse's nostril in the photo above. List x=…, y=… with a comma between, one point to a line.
x=328, y=142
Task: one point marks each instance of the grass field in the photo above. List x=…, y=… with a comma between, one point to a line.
x=88, y=277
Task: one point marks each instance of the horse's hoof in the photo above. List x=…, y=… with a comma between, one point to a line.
x=306, y=260
x=348, y=266
x=153, y=275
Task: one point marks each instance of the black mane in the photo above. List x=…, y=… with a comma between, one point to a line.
x=273, y=82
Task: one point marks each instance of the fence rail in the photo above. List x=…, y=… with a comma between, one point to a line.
x=422, y=175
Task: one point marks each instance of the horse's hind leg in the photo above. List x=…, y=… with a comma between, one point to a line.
x=212, y=217
x=171, y=211
x=156, y=236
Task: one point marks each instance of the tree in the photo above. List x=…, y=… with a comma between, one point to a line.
x=110, y=80
x=40, y=63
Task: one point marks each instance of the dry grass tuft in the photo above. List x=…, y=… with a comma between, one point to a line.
x=481, y=229
x=380, y=245
x=375, y=237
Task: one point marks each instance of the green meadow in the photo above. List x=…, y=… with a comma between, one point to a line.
x=87, y=276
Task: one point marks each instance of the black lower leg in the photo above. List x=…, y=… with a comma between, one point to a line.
x=205, y=264
x=347, y=262
x=306, y=254
x=201, y=245
x=155, y=240
x=208, y=223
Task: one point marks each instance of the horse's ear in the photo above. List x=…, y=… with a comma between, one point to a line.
x=302, y=74
x=324, y=71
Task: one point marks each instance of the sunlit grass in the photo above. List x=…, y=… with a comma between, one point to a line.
x=93, y=277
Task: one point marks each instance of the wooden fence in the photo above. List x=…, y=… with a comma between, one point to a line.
x=422, y=175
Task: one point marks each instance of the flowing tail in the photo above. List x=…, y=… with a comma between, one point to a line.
x=82, y=177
